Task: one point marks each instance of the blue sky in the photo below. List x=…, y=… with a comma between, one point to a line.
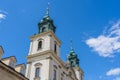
x=93, y=25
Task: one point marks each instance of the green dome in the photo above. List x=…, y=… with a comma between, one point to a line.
x=47, y=17
x=73, y=58
x=46, y=24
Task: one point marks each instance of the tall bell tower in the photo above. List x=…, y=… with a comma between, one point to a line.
x=43, y=60
x=44, y=47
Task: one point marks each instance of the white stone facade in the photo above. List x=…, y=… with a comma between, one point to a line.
x=48, y=43
x=8, y=72
x=49, y=62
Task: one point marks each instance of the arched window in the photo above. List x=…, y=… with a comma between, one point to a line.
x=54, y=74
x=37, y=72
x=55, y=47
x=12, y=64
x=72, y=64
x=43, y=29
x=39, y=45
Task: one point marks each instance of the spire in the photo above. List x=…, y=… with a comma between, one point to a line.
x=48, y=8
x=71, y=47
x=71, y=44
x=46, y=24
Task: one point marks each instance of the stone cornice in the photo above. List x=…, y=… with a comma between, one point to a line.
x=39, y=54
x=46, y=33
x=52, y=55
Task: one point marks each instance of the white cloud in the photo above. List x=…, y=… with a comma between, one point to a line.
x=106, y=45
x=2, y=16
x=113, y=72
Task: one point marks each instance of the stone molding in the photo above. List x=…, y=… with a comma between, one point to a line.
x=46, y=33
x=52, y=55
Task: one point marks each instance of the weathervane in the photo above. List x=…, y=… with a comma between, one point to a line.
x=71, y=44
x=48, y=8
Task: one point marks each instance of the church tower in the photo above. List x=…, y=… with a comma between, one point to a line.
x=44, y=53
x=43, y=60
x=74, y=63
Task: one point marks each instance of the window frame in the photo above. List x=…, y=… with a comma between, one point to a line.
x=55, y=47
x=22, y=71
x=12, y=64
x=39, y=45
x=54, y=74
x=42, y=41
x=37, y=66
x=43, y=29
x=37, y=72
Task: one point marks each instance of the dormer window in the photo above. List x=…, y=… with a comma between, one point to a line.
x=11, y=64
x=39, y=45
x=22, y=71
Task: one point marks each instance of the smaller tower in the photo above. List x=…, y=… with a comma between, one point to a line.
x=73, y=59
x=74, y=63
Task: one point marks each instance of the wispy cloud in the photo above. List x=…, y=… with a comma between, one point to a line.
x=2, y=16
x=108, y=43
x=118, y=78
x=113, y=72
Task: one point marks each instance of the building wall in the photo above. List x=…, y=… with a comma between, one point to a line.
x=53, y=40
x=48, y=59
x=6, y=61
x=48, y=44
x=43, y=68
x=8, y=73
x=5, y=75
x=34, y=45
x=1, y=52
